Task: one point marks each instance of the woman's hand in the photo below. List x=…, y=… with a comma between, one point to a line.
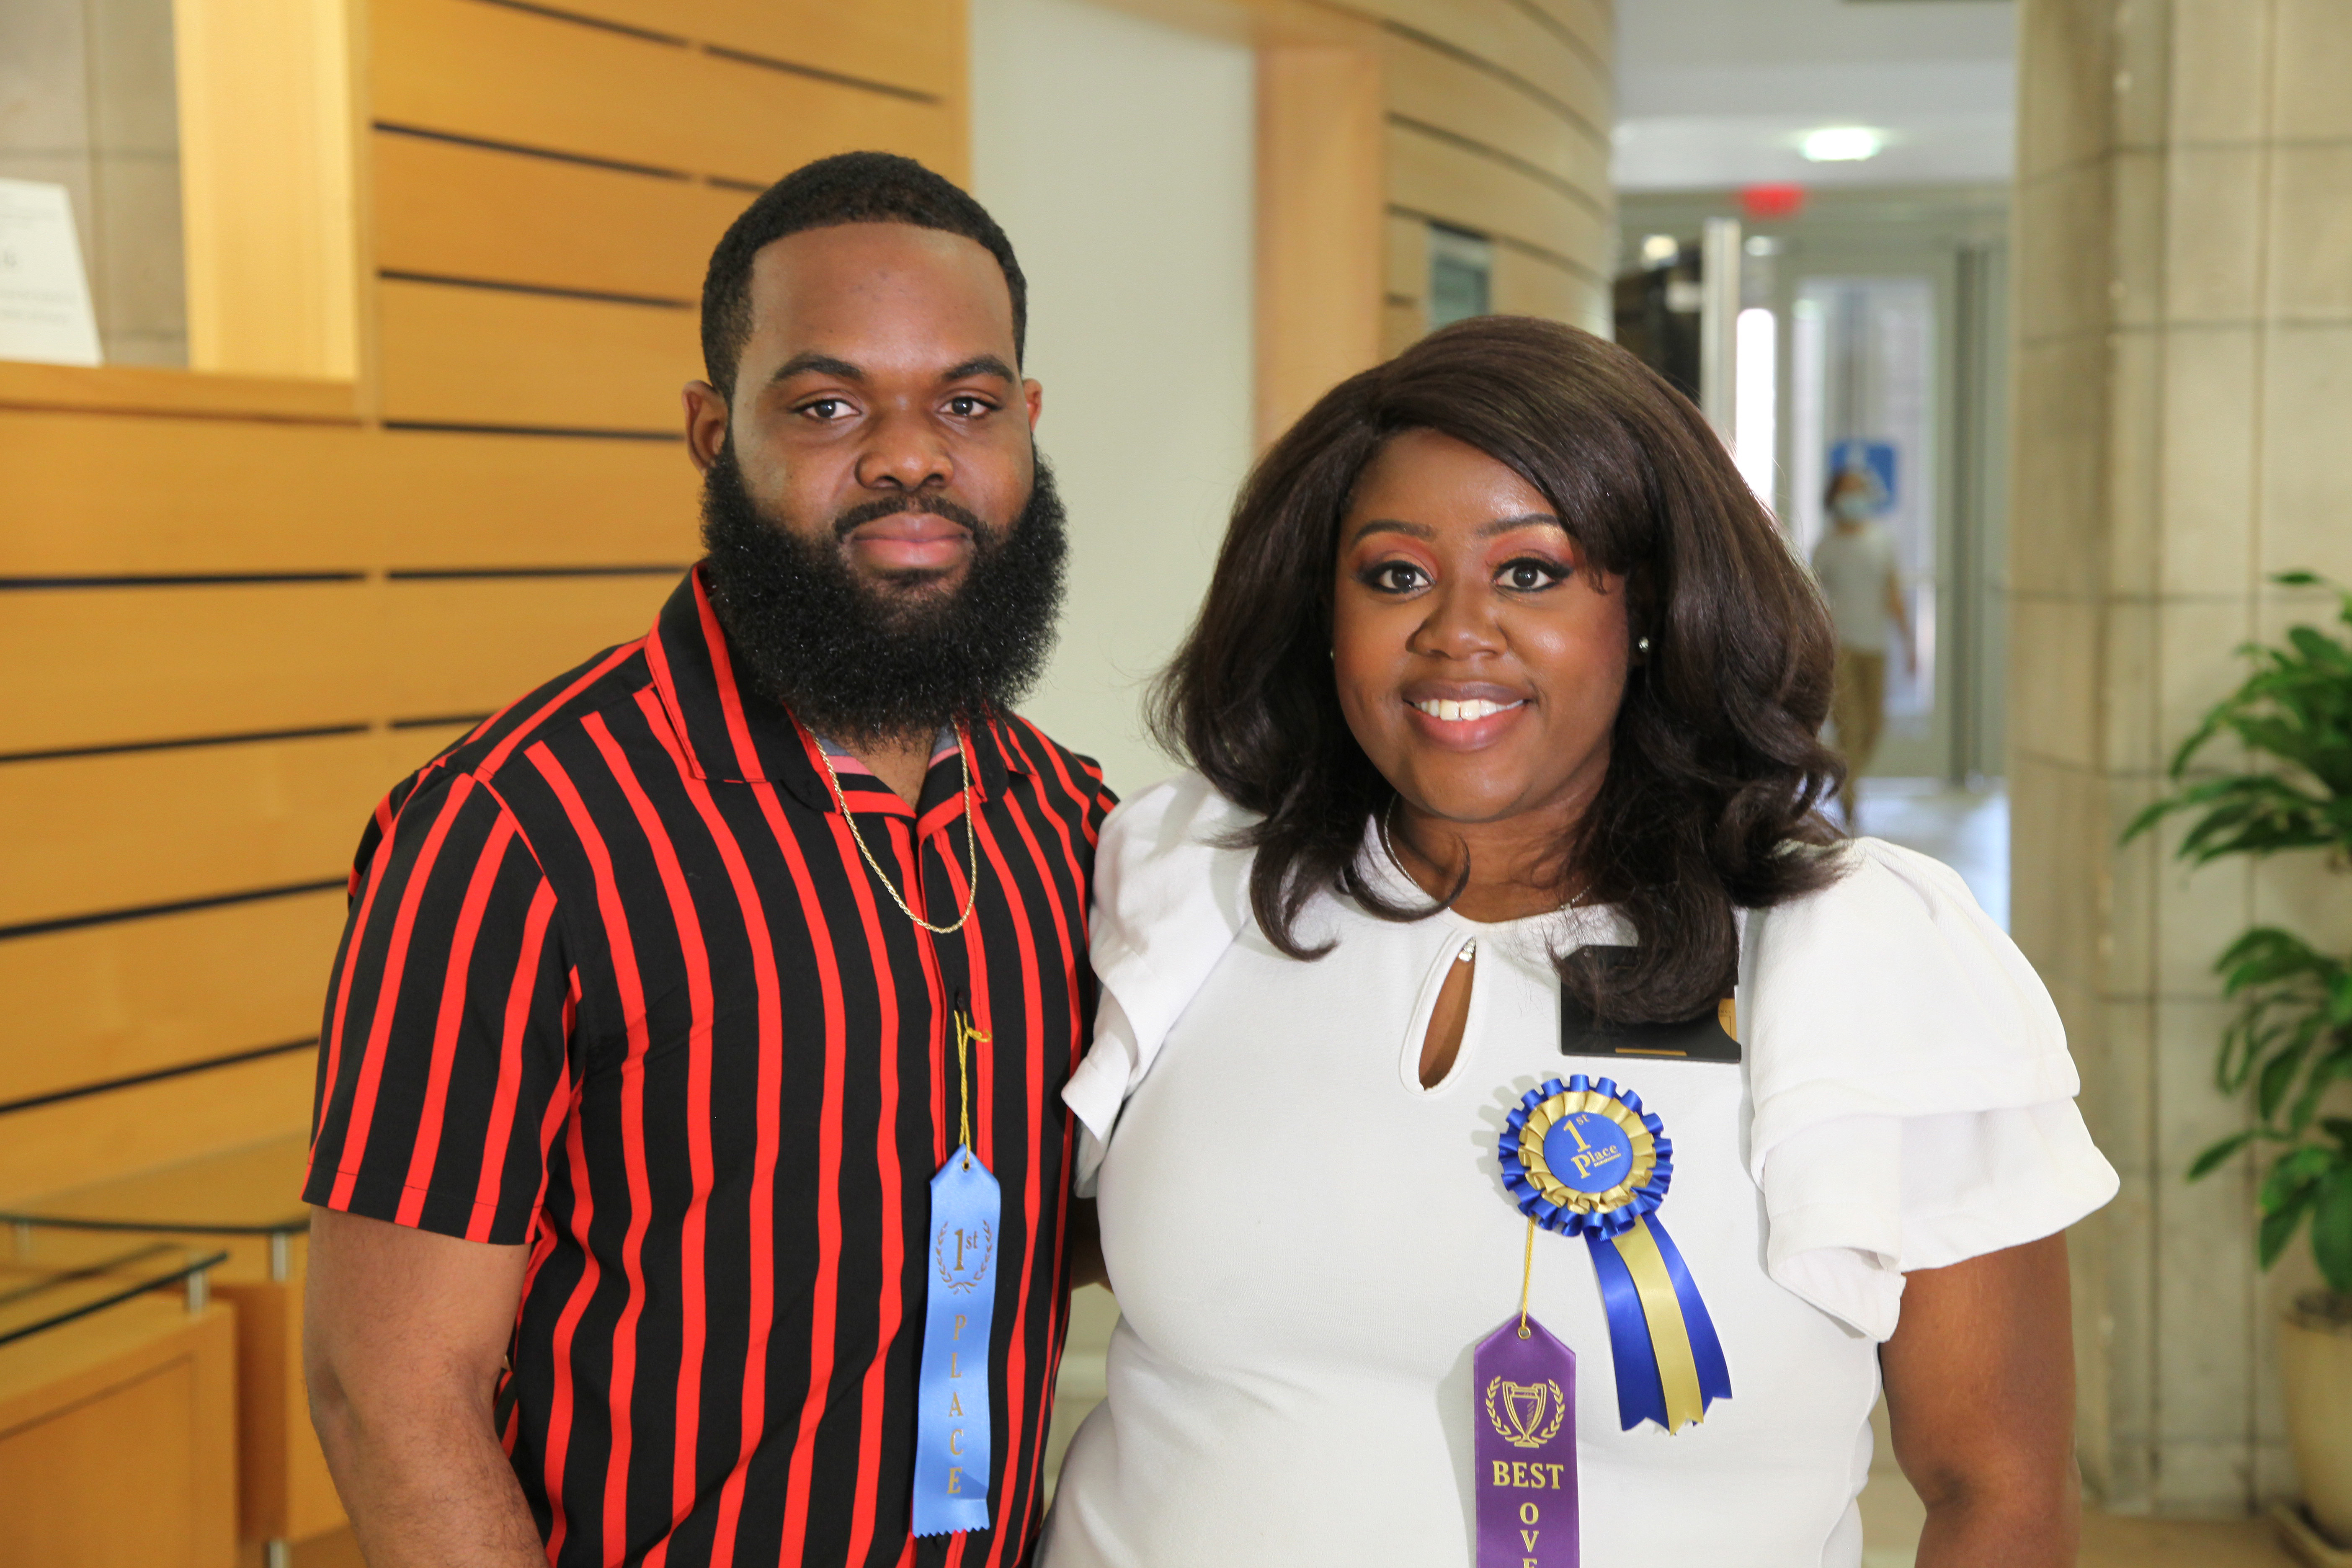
x=1980, y=1394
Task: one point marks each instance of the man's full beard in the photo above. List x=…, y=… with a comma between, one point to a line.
x=856, y=665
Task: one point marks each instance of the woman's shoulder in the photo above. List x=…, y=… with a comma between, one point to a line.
x=1181, y=814
x=1894, y=972
x=1172, y=887
x=1875, y=881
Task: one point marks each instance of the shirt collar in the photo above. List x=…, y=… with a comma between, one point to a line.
x=730, y=734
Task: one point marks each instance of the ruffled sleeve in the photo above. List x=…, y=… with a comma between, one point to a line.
x=1169, y=899
x=1914, y=1099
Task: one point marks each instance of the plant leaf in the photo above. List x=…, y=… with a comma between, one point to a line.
x=2219, y=1152
x=2278, y=1228
x=2289, y=1183
x=2278, y=1077
x=2331, y=1230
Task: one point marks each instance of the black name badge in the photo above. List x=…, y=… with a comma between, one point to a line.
x=1710, y=1037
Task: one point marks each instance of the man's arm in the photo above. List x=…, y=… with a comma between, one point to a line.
x=404, y=1332
x=1980, y=1394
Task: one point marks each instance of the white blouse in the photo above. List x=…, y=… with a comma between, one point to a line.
x=1306, y=1243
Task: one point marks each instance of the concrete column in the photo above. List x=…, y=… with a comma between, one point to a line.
x=2183, y=428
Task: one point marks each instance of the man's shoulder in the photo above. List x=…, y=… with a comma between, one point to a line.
x=548, y=713
x=1069, y=779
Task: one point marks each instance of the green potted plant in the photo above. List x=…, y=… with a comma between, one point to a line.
x=2290, y=1043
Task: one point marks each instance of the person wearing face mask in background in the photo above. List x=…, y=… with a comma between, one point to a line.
x=1854, y=563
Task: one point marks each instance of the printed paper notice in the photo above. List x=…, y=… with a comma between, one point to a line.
x=44, y=311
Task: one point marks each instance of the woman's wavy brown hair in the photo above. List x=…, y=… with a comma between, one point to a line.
x=1716, y=767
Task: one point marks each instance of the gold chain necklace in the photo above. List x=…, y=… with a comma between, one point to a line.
x=970, y=837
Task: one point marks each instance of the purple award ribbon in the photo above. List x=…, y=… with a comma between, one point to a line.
x=952, y=1430
x=1524, y=1391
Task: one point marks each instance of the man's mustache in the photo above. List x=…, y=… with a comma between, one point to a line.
x=863, y=512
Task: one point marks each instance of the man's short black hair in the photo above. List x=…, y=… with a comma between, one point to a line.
x=849, y=187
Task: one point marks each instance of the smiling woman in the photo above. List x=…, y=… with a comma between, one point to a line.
x=1498, y=902
x=1518, y=500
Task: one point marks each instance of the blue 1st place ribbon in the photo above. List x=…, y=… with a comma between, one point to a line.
x=1584, y=1158
x=951, y=1417
x=951, y=1435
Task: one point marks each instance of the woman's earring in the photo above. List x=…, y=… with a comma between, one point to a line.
x=1642, y=646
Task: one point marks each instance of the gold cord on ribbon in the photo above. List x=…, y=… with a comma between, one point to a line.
x=970, y=837
x=967, y=1035
x=1527, y=1275
x=1669, y=1334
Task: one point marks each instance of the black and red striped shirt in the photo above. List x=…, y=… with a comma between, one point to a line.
x=617, y=983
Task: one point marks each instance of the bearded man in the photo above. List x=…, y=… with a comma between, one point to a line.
x=690, y=1171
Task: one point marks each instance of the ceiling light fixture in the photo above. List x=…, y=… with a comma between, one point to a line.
x=1842, y=144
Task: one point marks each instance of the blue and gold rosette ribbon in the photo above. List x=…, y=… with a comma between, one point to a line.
x=1584, y=1158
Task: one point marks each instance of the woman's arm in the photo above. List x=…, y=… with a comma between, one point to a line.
x=1980, y=1394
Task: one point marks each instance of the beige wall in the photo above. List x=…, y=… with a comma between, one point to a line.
x=2183, y=402
x=1118, y=152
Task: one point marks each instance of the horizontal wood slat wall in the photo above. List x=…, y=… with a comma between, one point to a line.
x=488, y=357
x=471, y=69
x=1461, y=185
x=138, y=496
x=900, y=43
x=87, y=1140
x=185, y=823
x=1498, y=123
x=205, y=660
x=140, y=996
x=447, y=210
x=197, y=567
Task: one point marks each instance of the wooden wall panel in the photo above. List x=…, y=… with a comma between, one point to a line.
x=1506, y=38
x=1591, y=26
x=237, y=660
x=82, y=1140
x=137, y=996
x=455, y=211
x=1405, y=269
x=117, y=1440
x=917, y=44
x=152, y=827
x=1440, y=89
x=1526, y=285
x=141, y=495
x=1463, y=187
x=121, y=665
x=505, y=636
x=1401, y=327
x=489, y=356
x=286, y=1492
x=266, y=196
x=508, y=75
x=454, y=500
x=1319, y=216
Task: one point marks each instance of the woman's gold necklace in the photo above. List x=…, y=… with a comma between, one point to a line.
x=971, y=835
